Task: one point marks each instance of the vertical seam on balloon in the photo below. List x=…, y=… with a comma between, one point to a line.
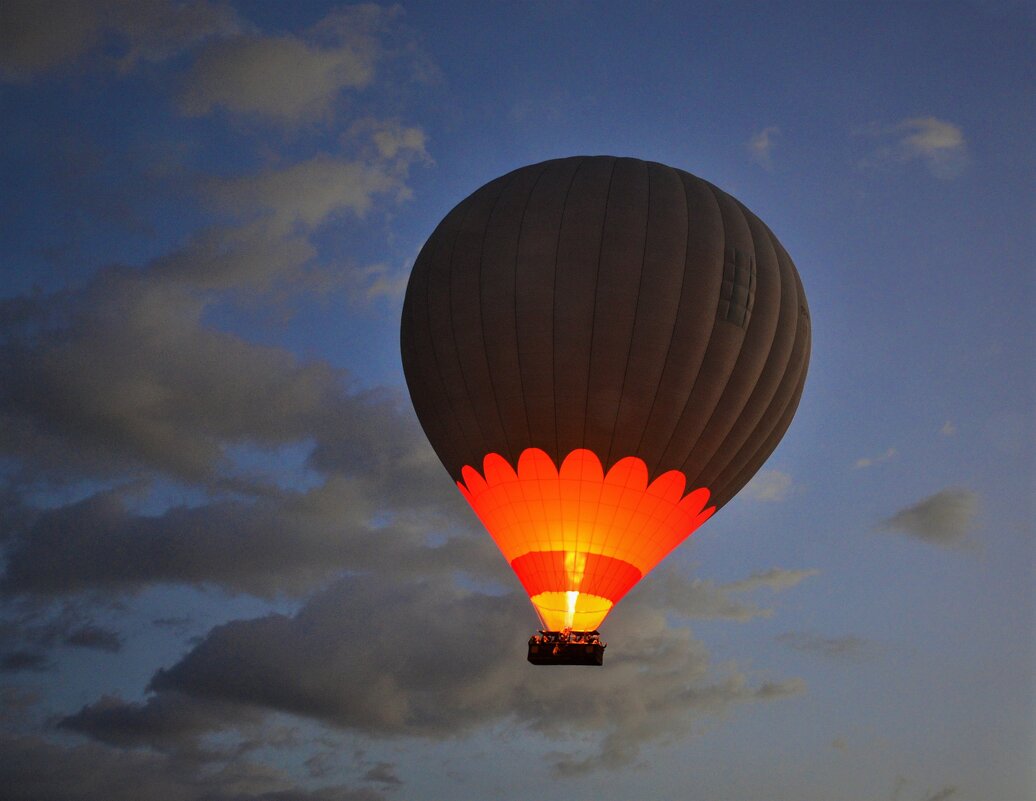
x=705, y=354
x=740, y=348
x=556, y=451
x=514, y=302
x=720, y=404
x=787, y=411
x=606, y=460
x=482, y=319
x=453, y=341
x=481, y=314
x=593, y=314
x=517, y=325
x=784, y=301
x=435, y=356
x=744, y=475
x=633, y=328
x=672, y=339
x=753, y=462
x=453, y=326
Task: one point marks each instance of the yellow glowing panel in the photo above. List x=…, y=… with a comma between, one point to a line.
x=577, y=538
x=579, y=611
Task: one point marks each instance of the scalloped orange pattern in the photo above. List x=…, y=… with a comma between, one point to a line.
x=576, y=511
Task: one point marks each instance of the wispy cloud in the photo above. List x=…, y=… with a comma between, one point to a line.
x=41, y=36
x=848, y=648
x=289, y=79
x=939, y=144
x=762, y=144
x=769, y=485
x=941, y=519
x=870, y=461
x=701, y=598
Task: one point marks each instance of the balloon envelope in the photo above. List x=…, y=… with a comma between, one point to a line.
x=602, y=352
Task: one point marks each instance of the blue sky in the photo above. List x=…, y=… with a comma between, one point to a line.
x=230, y=558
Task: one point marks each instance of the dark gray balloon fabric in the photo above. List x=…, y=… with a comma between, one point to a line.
x=612, y=304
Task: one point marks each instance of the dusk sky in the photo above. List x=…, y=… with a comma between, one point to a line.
x=233, y=568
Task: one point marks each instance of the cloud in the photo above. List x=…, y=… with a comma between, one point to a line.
x=761, y=146
x=383, y=773
x=941, y=519
x=699, y=598
x=40, y=36
x=289, y=79
x=942, y=794
x=851, y=649
x=307, y=193
x=30, y=632
x=870, y=461
x=769, y=485
x=931, y=138
x=123, y=371
x=132, y=377
x=34, y=769
x=120, y=387
x=775, y=578
x=287, y=543
x=24, y=661
x=390, y=657
x=96, y=638
x=937, y=143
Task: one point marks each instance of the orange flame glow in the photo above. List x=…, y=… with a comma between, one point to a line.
x=578, y=539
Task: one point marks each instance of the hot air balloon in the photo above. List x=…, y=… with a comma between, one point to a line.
x=602, y=351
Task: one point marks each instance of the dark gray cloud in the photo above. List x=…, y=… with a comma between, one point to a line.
x=30, y=632
x=941, y=519
x=426, y=658
x=848, y=648
x=285, y=542
x=700, y=598
x=33, y=769
x=130, y=377
x=24, y=661
x=383, y=773
x=39, y=36
x=170, y=722
x=94, y=637
x=942, y=794
x=122, y=373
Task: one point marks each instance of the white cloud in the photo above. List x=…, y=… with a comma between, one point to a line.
x=289, y=79
x=939, y=144
x=930, y=137
x=761, y=145
x=308, y=192
x=870, y=461
x=769, y=485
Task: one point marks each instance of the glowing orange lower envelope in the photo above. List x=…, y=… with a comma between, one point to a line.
x=578, y=539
